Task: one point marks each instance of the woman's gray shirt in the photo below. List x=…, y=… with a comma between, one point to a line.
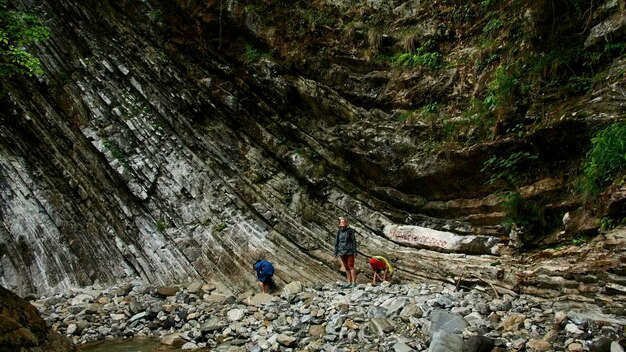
x=345, y=242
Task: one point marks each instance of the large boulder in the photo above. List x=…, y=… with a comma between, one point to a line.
x=22, y=329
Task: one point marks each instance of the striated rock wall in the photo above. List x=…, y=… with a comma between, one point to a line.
x=121, y=162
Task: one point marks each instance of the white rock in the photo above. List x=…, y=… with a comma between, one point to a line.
x=189, y=346
x=573, y=330
x=235, y=314
x=81, y=299
x=616, y=347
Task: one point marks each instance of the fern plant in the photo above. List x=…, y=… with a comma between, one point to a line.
x=606, y=161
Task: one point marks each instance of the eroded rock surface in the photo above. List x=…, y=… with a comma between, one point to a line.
x=23, y=329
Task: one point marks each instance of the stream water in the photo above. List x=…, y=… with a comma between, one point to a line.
x=134, y=345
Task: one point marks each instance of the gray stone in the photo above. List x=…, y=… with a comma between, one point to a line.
x=395, y=307
x=195, y=287
x=402, y=347
x=137, y=316
x=81, y=299
x=442, y=320
x=286, y=340
x=376, y=312
x=380, y=326
x=411, y=310
x=235, y=314
x=261, y=299
x=135, y=307
x=75, y=309
x=291, y=289
x=573, y=330
x=616, y=347
x=443, y=341
x=189, y=346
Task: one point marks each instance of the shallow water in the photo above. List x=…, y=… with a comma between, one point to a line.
x=134, y=345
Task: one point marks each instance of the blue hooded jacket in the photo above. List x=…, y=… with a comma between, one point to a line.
x=263, y=267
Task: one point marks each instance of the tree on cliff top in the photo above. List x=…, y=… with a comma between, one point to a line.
x=18, y=29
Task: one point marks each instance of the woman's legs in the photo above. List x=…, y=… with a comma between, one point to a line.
x=348, y=265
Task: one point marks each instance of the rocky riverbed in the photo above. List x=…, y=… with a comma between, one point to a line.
x=327, y=317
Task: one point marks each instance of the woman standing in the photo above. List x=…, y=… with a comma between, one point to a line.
x=345, y=248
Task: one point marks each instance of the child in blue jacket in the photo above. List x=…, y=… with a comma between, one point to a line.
x=264, y=273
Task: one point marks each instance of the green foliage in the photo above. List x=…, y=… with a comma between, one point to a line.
x=568, y=70
x=521, y=212
x=287, y=199
x=607, y=223
x=431, y=108
x=251, y=8
x=614, y=49
x=486, y=3
x=116, y=152
x=251, y=55
x=606, y=161
x=156, y=16
x=493, y=25
x=219, y=227
x=580, y=240
x=578, y=84
x=501, y=90
x=404, y=115
x=506, y=169
x=17, y=30
x=317, y=17
x=160, y=226
x=484, y=61
x=431, y=112
x=260, y=178
x=432, y=60
x=423, y=56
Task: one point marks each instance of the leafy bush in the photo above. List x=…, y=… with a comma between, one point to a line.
x=521, y=212
x=493, y=25
x=431, y=108
x=250, y=54
x=506, y=169
x=606, y=161
x=317, y=17
x=502, y=89
x=403, y=116
x=17, y=30
x=486, y=3
x=422, y=56
x=432, y=60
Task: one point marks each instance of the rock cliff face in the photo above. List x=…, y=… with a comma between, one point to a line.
x=180, y=141
x=22, y=329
